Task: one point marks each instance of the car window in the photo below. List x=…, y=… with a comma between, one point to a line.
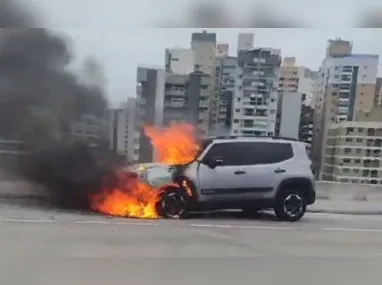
x=268, y=152
x=250, y=153
x=228, y=152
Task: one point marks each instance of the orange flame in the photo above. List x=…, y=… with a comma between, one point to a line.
x=173, y=145
x=135, y=200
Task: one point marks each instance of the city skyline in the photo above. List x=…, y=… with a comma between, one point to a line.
x=147, y=48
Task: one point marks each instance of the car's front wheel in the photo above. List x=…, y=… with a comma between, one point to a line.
x=290, y=205
x=173, y=203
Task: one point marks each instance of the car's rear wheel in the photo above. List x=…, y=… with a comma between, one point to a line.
x=290, y=205
x=173, y=203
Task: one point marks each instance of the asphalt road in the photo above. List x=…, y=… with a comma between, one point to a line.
x=47, y=246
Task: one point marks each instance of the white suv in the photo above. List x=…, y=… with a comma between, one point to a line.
x=248, y=173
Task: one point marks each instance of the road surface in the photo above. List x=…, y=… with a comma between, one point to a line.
x=48, y=246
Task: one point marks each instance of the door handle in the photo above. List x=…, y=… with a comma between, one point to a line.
x=238, y=172
x=279, y=170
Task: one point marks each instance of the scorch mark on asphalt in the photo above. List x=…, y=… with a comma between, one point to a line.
x=192, y=225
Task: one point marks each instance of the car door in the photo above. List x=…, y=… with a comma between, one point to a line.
x=265, y=167
x=218, y=181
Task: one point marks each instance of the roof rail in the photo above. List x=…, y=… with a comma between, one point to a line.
x=255, y=136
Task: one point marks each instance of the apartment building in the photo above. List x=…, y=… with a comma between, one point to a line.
x=187, y=99
x=306, y=125
x=222, y=50
x=221, y=100
x=245, y=41
x=378, y=92
x=256, y=92
x=294, y=117
x=289, y=114
x=149, y=107
x=347, y=85
x=297, y=79
x=89, y=129
x=180, y=60
x=353, y=150
x=338, y=47
x=123, y=130
x=204, y=46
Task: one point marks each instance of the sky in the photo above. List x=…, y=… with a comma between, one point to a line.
x=123, y=34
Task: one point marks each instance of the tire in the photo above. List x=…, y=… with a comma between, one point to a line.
x=290, y=205
x=173, y=204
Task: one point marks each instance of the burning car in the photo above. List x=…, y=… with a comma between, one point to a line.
x=228, y=172
x=144, y=191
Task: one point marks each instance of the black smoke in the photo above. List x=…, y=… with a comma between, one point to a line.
x=40, y=100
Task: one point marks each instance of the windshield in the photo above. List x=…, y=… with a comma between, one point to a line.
x=204, y=143
x=158, y=176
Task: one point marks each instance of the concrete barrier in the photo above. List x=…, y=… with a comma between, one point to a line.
x=348, y=192
x=325, y=190
x=21, y=189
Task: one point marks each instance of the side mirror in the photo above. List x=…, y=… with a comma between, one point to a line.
x=214, y=162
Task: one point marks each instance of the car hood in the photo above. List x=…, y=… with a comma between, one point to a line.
x=158, y=180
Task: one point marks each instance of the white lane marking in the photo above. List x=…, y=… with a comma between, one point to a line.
x=116, y=223
x=355, y=230
x=26, y=220
x=240, y=227
x=352, y=230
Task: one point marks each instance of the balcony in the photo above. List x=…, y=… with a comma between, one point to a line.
x=175, y=92
x=175, y=104
x=204, y=104
x=205, y=92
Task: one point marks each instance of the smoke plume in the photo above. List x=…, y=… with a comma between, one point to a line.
x=40, y=102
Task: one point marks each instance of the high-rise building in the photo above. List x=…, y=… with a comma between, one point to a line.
x=294, y=117
x=297, y=79
x=289, y=114
x=256, y=92
x=221, y=101
x=353, y=150
x=124, y=134
x=346, y=86
x=187, y=99
x=180, y=60
x=306, y=125
x=150, y=106
x=378, y=92
x=245, y=41
x=89, y=129
x=204, y=46
x=222, y=50
x=339, y=47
